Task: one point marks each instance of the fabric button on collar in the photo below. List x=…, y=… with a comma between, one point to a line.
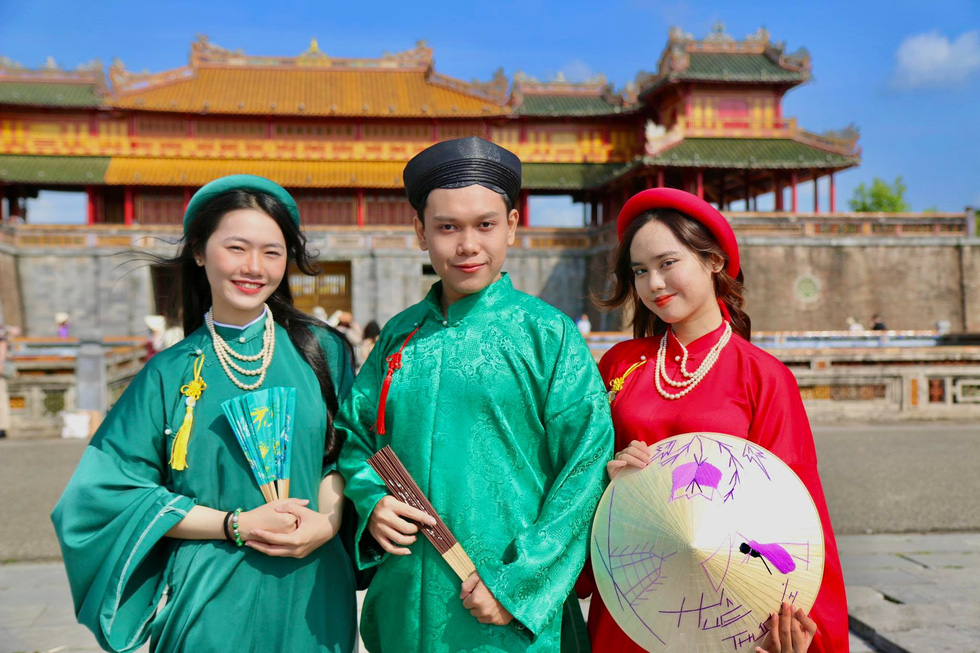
x=482, y=302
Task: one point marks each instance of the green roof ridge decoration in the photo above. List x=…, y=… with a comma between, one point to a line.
x=717, y=58
x=52, y=86
x=750, y=154
x=720, y=58
x=560, y=97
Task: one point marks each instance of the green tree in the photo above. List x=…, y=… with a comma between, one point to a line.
x=880, y=197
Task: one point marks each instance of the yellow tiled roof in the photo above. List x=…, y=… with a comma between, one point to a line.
x=294, y=174
x=311, y=92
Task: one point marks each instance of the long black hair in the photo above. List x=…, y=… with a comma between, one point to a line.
x=196, y=291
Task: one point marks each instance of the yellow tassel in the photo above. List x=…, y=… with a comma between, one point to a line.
x=178, y=453
x=192, y=392
x=616, y=385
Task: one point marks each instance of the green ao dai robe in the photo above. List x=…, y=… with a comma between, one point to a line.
x=500, y=416
x=124, y=497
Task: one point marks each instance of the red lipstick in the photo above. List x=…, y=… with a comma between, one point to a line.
x=248, y=291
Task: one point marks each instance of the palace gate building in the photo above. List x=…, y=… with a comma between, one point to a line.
x=337, y=133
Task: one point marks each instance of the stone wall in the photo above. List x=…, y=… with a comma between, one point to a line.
x=815, y=285
x=105, y=293
x=388, y=271
x=10, y=304
x=808, y=286
x=386, y=283
x=794, y=283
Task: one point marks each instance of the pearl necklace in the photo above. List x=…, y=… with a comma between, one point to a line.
x=693, y=378
x=225, y=353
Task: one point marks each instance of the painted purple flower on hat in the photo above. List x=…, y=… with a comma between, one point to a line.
x=698, y=478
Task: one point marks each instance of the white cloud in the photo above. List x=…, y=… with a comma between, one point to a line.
x=931, y=60
x=577, y=70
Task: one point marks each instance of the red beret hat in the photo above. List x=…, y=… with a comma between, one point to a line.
x=690, y=205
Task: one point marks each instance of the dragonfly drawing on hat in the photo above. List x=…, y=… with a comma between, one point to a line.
x=701, y=478
x=698, y=478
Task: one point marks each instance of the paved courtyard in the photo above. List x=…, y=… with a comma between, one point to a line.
x=902, y=498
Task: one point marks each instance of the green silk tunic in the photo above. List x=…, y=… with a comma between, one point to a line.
x=499, y=414
x=124, y=497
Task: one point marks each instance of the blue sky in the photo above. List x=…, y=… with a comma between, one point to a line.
x=906, y=73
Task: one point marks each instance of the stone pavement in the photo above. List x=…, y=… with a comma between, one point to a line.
x=916, y=593
x=906, y=593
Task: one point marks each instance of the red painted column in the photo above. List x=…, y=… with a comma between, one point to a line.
x=360, y=202
x=660, y=178
x=128, y=207
x=833, y=194
x=522, y=133
x=90, y=195
x=792, y=180
x=816, y=195
x=357, y=131
x=700, y=184
x=435, y=131
x=777, y=185
x=524, y=208
x=187, y=198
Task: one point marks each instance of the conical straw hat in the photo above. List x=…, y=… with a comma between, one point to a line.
x=693, y=552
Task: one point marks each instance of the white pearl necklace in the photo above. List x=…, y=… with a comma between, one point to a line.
x=225, y=353
x=693, y=378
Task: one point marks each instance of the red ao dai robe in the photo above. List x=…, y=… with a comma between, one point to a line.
x=748, y=393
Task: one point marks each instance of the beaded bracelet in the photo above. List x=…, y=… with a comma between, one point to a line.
x=234, y=527
x=225, y=527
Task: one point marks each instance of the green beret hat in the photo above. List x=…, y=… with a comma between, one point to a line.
x=239, y=182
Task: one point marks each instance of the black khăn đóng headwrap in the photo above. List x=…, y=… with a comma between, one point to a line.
x=459, y=163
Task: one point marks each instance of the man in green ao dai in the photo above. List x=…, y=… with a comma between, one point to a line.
x=492, y=401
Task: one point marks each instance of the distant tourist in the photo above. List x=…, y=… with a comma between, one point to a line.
x=691, y=368
x=584, y=324
x=63, y=324
x=877, y=324
x=161, y=336
x=854, y=325
x=371, y=332
x=163, y=500
x=320, y=313
x=157, y=326
x=347, y=326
